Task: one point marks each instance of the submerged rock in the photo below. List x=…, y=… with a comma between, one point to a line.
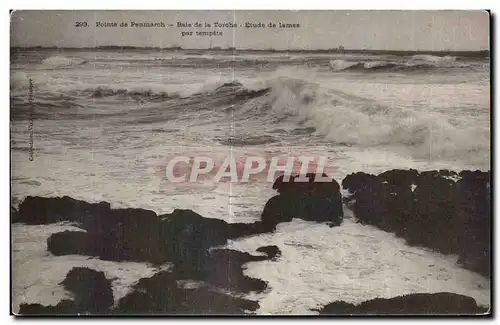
x=442, y=303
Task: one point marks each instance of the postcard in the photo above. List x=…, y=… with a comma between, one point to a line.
x=250, y=162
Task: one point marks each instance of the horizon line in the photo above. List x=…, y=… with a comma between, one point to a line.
x=217, y=48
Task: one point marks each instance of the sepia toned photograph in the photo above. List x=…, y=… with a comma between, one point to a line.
x=250, y=162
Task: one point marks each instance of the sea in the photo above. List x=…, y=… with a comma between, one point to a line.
x=103, y=125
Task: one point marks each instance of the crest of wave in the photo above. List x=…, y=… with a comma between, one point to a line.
x=62, y=61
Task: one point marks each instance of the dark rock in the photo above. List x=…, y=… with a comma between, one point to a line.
x=14, y=215
x=188, y=227
x=473, y=203
x=399, y=177
x=64, y=307
x=92, y=290
x=280, y=185
x=156, y=294
x=223, y=268
x=312, y=200
x=434, y=211
x=278, y=209
x=128, y=234
x=447, y=173
x=183, y=237
x=272, y=251
x=35, y=309
x=429, y=209
x=237, y=230
x=354, y=182
x=204, y=301
x=161, y=294
x=226, y=271
x=189, y=235
x=413, y=304
x=39, y=210
x=140, y=235
x=117, y=235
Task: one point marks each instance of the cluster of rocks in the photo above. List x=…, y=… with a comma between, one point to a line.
x=441, y=210
x=425, y=208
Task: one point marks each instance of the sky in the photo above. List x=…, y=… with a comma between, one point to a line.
x=369, y=29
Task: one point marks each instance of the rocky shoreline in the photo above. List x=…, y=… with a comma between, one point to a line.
x=447, y=211
x=442, y=210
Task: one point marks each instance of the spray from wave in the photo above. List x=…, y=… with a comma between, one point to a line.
x=289, y=99
x=338, y=115
x=417, y=63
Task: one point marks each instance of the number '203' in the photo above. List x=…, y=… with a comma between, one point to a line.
x=81, y=24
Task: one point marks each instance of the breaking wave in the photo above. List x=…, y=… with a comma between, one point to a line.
x=62, y=61
x=347, y=119
x=418, y=63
